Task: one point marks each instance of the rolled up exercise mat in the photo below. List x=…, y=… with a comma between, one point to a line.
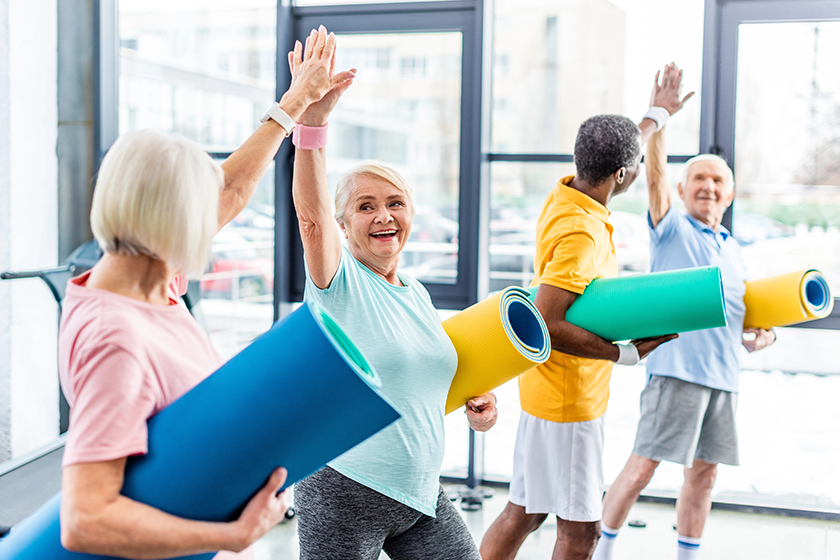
x=299, y=396
x=496, y=340
x=787, y=299
x=645, y=305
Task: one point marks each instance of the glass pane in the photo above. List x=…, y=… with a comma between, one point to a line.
x=787, y=170
x=404, y=109
x=204, y=71
x=558, y=63
x=237, y=292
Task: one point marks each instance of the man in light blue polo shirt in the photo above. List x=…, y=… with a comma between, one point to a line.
x=688, y=405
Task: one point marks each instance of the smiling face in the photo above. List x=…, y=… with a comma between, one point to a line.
x=377, y=222
x=707, y=192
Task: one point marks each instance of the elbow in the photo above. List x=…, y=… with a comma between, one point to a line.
x=78, y=533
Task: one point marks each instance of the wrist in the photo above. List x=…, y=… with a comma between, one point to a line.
x=659, y=115
x=294, y=105
x=628, y=355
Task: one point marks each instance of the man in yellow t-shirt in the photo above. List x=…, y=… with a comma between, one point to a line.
x=557, y=459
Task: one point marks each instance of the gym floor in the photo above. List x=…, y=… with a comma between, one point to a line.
x=728, y=535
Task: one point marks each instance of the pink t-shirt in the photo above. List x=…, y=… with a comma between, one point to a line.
x=120, y=362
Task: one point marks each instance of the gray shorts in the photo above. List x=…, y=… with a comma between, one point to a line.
x=339, y=518
x=683, y=421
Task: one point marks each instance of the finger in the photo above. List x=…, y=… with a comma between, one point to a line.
x=687, y=97
x=329, y=48
x=278, y=478
x=332, y=59
x=310, y=45
x=291, y=58
x=298, y=53
x=320, y=42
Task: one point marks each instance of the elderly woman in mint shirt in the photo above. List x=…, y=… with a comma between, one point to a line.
x=384, y=494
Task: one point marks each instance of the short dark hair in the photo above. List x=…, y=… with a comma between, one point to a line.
x=604, y=144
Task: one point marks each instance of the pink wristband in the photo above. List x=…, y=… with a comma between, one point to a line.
x=310, y=137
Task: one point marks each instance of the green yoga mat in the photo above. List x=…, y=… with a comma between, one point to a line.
x=633, y=307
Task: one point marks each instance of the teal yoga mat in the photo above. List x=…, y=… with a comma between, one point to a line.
x=645, y=305
x=299, y=396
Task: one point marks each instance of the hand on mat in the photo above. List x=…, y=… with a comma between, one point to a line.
x=762, y=339
x=667, y=95
x=318, y=111
x=481, y=412
x=648, y=345
x=311, y=67
x=265, y=510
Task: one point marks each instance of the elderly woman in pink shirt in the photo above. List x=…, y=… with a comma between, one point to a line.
x=127, y=349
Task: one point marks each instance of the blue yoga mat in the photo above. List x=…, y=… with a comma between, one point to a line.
x=299, y=396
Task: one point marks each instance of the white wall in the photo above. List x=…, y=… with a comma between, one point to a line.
x=28, y=222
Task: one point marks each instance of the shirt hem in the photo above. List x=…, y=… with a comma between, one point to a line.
x=385, y=491
x=691, y=379
x=560, y=419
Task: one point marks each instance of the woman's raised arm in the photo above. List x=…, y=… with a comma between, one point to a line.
x=247, y=165
x=310, y=190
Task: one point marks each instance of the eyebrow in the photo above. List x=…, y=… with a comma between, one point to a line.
x=370, y=197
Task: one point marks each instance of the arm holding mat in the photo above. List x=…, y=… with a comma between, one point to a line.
x=650, y=305
x=211, y=450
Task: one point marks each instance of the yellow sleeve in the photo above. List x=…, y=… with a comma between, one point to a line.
x=572, y=266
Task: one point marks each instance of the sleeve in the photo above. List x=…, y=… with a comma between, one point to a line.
x=572, y=266
x=313, y=292
x=113, y=401
x=179, y=285
x=666, y=228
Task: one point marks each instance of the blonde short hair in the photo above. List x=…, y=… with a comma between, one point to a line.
x=158, y=195
x=708, y=157
x=347, y=184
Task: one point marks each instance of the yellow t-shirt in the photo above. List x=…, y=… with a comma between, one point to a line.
x=574, y=246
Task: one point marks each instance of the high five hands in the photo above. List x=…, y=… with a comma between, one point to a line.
x=309, y=58
x=667, y=94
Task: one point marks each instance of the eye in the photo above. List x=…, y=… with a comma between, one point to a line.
x=398, y=203
x=366, y=207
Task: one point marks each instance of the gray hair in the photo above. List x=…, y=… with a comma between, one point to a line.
x=347, y=184
x=158, y=195
x=605, y=144
x=730, y=178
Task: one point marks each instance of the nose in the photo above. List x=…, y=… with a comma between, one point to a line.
x=383, y=215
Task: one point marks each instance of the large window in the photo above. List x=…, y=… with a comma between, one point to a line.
x=207, y=72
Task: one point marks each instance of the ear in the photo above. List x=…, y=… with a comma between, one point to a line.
x=680, y=190
x=730, y=197
x=619, y=175
x=343, y=229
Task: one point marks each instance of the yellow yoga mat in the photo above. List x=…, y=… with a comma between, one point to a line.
x=787, y=299
x=496, y=340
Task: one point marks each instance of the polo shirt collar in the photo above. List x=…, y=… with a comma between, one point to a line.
x=700, y=226
x=589, y=204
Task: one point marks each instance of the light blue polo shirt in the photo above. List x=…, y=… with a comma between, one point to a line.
x=399, y=331
x=708, y=357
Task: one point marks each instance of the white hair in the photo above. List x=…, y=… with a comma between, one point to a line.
x=158, y=195
x=347, y=184
x=709, y=157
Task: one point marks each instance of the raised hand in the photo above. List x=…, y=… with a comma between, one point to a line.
x=319, y=109
x=667, y=94
x=311, y=73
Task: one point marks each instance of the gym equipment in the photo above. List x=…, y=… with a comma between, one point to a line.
x=787, y=299
x=646, y=305
x=299, y=396
x=496, y=340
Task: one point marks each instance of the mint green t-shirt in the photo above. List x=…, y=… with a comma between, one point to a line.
x=399, y=331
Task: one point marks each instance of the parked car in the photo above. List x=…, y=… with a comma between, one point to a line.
x=244, y=257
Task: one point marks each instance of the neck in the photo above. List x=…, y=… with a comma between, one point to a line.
x=601, y=192
x=139, y=277
x=386, y=270
x=711, y=221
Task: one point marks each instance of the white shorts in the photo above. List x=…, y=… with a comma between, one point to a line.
x=557, y=468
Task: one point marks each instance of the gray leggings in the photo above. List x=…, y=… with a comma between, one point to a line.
x=339, y=518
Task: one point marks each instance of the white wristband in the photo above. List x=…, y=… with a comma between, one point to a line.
x=659, y=115
x=279, y=116
x=628, y=354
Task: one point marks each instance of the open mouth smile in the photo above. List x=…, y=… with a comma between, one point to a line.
x=385, y=234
